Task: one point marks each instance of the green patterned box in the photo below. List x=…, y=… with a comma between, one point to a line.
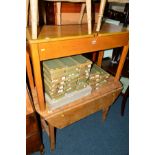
x=53, y=87
x=98, y=77
x=53, y=67
x=98, y=74
x=65, y=75
x=70, y=65
x=84, y=63
x=55, y=95
x=55, y=74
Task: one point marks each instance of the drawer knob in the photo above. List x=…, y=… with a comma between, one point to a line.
x=43, y=49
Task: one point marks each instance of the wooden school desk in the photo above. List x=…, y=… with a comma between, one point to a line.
x=61, y=41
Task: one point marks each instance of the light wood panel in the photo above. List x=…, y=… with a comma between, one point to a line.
x=78, y=46
x=65, y=32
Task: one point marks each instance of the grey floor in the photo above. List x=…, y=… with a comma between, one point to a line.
x=91, y=136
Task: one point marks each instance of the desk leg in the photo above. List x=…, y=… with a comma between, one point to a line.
x=125, y=96
x=52, y=137
x=104, y=113
x=100, y=57
x=42, y=149
x=94, y=56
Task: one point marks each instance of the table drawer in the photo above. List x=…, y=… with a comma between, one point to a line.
x=68, y=47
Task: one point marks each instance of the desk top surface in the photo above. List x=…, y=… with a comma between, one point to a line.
x=63, y=32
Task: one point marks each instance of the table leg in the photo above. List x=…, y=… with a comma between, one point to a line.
x=125, y=96
x=34, y=17
x=52, y=136
x=94, y=56
x=89, y=20
x=42, y=149
x=82, y=12
x=100, y=15
x=104, y=113
x=27, y=11
x=100, y=57
x=58, y=5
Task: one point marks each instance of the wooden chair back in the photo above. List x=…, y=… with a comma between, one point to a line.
x=85, y=3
